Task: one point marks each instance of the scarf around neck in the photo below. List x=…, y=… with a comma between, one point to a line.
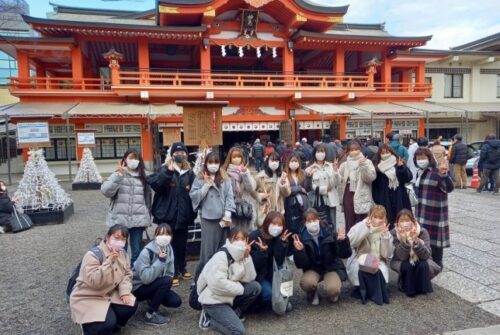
x=234, y=172
x=374, y=239
x=388, y=168
x=353, y=167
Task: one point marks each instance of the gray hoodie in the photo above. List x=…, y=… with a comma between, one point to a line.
x=147, y=271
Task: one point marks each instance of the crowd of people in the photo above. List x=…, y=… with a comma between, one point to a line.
x=253, y=224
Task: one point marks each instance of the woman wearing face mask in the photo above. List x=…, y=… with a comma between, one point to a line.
x=243, y=187
x=412, y=256
x=102, y=301
x=322, y=178
x=293, y=189
x=356, y=176
x=227, y=287
x=270, y=242
x=318, y=252
x=7, y=206
x=268, y=194
x=432, y=187
x=130, y=196
x=371, y=239
x=153, y=274
x=212, y=196
x=388, y=188
x=172, y=204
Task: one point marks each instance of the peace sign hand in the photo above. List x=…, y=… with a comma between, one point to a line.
x=401, y=161
x=248, y=248
x=297, y=244
x=443, y=169
x=121, y=168
x=170, y=164
x=262, y=246
x=341, y=234
x=336, y=165
x=285, y=235
x=207, y=178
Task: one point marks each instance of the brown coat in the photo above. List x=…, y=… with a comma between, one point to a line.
x=276, y=199
x=100, y=285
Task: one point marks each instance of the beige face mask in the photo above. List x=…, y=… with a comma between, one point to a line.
x=236, y=160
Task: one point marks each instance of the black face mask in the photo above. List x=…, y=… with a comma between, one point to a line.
x=179, y=159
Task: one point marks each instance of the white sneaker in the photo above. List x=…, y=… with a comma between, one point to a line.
x=204, y=322
x=2, y=231
x=315, y=301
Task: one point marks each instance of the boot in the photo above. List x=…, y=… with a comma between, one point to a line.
x=437, y=255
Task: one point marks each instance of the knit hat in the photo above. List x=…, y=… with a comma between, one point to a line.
x=396, y=137
x=178, y=146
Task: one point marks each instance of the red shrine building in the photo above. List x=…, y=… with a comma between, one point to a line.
x=273, y=62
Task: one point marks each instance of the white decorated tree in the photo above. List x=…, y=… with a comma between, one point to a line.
x=87, y=173
x=39, y=187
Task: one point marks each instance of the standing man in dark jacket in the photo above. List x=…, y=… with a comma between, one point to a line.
x=331, y=149
x=458, y=157
x=490, y=161
x=258, y=154
x=172, y=203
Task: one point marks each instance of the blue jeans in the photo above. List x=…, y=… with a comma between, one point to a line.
x=135, y=238
x=266, y=294
x=258, y=163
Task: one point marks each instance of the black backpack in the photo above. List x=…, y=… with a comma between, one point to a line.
x=193, y=294
x=76, y=272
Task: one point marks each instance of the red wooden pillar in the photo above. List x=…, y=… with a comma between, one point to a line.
x=77, y=67
x=205, y=63
x=143, y=54
x=23, y=66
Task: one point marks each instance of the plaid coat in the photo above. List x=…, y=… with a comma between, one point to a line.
x=432, y=209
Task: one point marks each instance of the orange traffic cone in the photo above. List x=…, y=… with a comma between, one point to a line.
x=474, y=183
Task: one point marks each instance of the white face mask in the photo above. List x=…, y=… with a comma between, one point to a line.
x=320, y=156
x=294, y=166
x=236, y=160
x=132, y=164
x=313, y=227
x=385, y=156
x=275, y=230
x=274, y=165
x=354, y=153
x=423, y=163
x=237, y=249
x=406, y=225
x=163, y=240
x=213, y=168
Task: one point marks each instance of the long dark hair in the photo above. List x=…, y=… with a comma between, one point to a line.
x=269, y=219
x=320, y=146
x=220, y=175
x=275, y=157
x=141, y=168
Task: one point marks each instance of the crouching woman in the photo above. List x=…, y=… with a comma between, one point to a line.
x=368, y=268
x=412, y=256
x=102, y=301
x=153, y=275
x=226, y=286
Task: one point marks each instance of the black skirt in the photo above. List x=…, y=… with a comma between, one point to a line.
x=372, y=287
x=415, y=279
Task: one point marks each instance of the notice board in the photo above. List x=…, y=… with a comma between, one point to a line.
x=171, y=135
x=33, y=134
x=202, y=125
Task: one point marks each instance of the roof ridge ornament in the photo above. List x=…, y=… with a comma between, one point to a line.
x=258, y=3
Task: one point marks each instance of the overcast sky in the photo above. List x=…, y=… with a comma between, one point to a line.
x=451, y=22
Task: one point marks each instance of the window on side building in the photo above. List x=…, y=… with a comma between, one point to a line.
x=498, y=85
x=453, y=85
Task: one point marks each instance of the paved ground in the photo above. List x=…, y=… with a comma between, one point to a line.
x=36, y=264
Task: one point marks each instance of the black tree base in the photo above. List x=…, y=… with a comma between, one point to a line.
x=45, y=216
x=85, y=186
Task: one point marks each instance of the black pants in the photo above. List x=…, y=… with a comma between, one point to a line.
x=415, y=279
x=179, y=243
x=117, y=316
x=437, y=255
x=159, y=293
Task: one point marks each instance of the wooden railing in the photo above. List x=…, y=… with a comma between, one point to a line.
x=189, y=80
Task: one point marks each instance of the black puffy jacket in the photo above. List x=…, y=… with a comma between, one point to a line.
x=459, y=152
x=490, y=155
x=6, y=209
x=172, y=203
x=326, y=257
x=263, y=259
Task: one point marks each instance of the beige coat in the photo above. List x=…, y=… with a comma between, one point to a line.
x=363, y=195
x=276, y=199
x=100, y=285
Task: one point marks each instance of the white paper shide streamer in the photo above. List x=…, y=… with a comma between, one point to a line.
x=87, y=173
x=39, y=188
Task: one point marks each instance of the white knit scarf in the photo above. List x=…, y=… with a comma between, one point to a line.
x=387, y=167
x=353, y=167
x=374, y=239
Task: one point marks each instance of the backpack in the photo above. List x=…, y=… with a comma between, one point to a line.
x=76, y=272
x=193, y=294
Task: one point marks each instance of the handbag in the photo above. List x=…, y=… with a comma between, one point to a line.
x=411, y=195
x=20, y=222
x=368, y=263
x=282, y=287
x=244, y=210
x=318, y=203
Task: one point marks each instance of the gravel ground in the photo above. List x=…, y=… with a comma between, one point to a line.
x=36, y=264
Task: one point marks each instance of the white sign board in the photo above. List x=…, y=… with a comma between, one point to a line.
x=33, y=132
x=86, y=138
